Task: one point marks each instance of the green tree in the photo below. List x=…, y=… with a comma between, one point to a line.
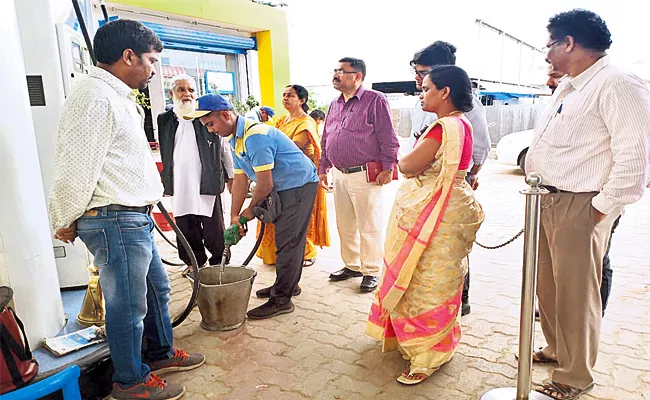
x=246, y=106
x=142, y=99
x=313, y=104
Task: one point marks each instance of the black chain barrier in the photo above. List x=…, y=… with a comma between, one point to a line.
x=521, y=232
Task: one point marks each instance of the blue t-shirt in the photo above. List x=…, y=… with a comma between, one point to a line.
x=259, y=147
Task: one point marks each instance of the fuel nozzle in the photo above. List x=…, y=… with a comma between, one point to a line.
x=232, y=235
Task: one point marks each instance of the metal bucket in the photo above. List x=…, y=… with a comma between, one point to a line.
x=223, y=305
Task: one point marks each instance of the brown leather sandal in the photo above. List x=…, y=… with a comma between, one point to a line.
x=560, y=391
x=540, y=358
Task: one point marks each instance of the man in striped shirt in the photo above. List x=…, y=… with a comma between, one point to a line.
x=358, y=130
x=592, y=150
x=553, y=81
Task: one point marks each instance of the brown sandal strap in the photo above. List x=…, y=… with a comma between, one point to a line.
x=562, y=392
x=540, y=358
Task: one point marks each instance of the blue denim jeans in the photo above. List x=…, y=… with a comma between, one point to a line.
x=136, y=290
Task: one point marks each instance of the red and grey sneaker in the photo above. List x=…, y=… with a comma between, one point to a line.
x=153, y=389
x=180, y=361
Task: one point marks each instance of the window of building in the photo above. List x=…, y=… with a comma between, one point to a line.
x=194, y=64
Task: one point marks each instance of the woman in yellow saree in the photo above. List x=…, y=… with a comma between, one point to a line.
x=431, y=229
x=302, y=129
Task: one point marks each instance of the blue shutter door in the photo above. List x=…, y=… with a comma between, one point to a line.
x=201, y=41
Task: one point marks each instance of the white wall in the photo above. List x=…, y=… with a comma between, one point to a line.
x=253, y=75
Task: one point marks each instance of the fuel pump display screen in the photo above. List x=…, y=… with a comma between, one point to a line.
x=77, y=60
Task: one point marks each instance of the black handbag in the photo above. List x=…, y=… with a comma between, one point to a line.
x=269, y=209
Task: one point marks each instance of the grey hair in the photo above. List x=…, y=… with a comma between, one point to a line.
x=182, y=77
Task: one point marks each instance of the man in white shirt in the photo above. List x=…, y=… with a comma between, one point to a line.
x=443, y=53
x=592, y=150
x=193, y=173
x=105, y=182
x=553, y=81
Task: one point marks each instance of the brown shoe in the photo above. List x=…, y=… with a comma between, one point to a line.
x=180, y=361
x=153, y=389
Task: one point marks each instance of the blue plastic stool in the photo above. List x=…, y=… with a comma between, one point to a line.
x=67, y=380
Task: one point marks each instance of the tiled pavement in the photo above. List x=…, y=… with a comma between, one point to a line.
x=321, y=352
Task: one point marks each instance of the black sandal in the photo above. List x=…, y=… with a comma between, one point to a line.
x=309, y=262
x=560, y=391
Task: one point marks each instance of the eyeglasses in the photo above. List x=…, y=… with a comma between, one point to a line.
x=553, y=43
x=421, y=73
x=341, y=71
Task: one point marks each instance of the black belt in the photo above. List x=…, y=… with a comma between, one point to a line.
x=553, y=189
x=117, y=207
x=352, y=170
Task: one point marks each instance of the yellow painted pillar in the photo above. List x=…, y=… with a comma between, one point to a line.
x=265, y=64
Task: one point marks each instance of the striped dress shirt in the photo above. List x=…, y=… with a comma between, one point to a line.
x=595, y=137
x=359, y=131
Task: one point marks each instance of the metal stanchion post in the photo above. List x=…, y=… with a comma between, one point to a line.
x=527, y=315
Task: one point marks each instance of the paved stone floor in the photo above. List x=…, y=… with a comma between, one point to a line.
x=321, y=352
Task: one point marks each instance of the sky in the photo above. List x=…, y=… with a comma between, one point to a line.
x=386, y=34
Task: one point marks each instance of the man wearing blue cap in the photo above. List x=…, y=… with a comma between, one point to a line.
x=260, y=114
x=267, y=156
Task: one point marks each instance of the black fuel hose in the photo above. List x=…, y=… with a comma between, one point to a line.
x=84, y=31
x=195, y=267
x=171, y=263
x=168, y=240
x=104, y=12
x=258, y=242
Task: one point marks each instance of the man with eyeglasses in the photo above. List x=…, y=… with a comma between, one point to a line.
x=358, y=130
x=553, y=81
x=443, y=53
x=592, y=149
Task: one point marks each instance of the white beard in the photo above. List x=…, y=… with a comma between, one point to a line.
x=181, y=108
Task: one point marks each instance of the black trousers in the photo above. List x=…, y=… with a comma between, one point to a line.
x=290, y=239
x=465, y=297
x=466, y=285
x=606, y=283
x=202, y=233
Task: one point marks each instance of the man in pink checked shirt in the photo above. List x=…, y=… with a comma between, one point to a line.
x=358, y=130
